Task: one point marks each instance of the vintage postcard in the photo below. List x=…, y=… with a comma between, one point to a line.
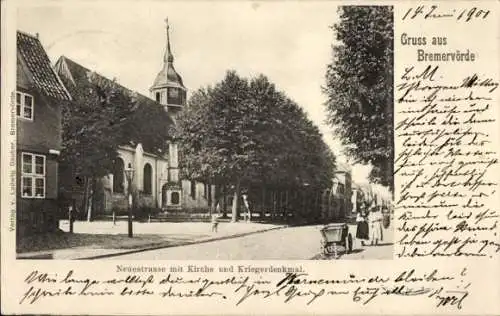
x=248, y=157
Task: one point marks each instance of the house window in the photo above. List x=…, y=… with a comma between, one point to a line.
x=193, y=189
x=157, y=95
x=24, y=105
x=148, y=179
x=33, y=176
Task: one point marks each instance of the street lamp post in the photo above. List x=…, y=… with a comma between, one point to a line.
x=129, y=172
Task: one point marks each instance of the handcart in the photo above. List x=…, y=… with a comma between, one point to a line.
x=336, y=238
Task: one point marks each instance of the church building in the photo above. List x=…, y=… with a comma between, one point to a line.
x=157, y=179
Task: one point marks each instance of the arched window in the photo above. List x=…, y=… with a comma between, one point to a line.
x=148, y=179
x=118, y=176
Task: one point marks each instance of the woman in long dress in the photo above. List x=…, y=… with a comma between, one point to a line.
x=362, y=228
x=375, y=221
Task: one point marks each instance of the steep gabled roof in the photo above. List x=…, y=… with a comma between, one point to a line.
x=77, y=74
x=44, y=78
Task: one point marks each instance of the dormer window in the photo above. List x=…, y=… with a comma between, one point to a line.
x=24, y=105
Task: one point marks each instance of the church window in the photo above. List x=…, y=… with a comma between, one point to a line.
x=173, y=92
x=176, y=96
x=118, y=176
x=193, y=189
x=148, y=179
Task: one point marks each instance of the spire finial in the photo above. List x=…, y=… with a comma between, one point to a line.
x=168, y=53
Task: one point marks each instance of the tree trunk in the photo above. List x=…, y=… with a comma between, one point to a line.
x=273, y=214
x=236, y=202
x=286, y=209
x=303, y=203
x=224, y=200
x=209, y=193
x=317, y=199
x=85, y=200
x=94, y=197
x=90, y=194
x=279, y=197
x=263, y=206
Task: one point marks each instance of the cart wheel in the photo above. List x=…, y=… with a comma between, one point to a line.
x=348, y=243
x=324, y=246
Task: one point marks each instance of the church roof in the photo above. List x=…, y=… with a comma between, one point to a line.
x=168, y=76
x=75, y=73
x=43, y=77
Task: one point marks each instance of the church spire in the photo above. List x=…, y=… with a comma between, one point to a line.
x=169, y=57
x=167, y=88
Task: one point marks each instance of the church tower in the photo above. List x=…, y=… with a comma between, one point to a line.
x=168, y=88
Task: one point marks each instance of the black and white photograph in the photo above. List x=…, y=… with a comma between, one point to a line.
x=256, y=134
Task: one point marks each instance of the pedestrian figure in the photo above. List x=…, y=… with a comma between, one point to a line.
x=246, y=214
x=362, y=228
x=217, y=208
x=375, y=221
x=215, y=222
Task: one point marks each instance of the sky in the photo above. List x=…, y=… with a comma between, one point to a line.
x=289, y=42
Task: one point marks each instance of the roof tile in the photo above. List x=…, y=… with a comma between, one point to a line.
x=38, y=63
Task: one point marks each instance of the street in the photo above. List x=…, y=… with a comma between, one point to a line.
x=293, y=243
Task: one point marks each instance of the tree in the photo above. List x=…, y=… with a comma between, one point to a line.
x=150, y=125
x=359, y=87
x=92, y=125
x=241, y=132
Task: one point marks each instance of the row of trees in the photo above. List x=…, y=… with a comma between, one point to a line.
x=359, y=87
x=244, y=132
x=238, y=133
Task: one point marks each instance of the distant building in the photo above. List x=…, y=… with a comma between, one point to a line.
x=39, y=93
x=343, y=177
x=371, y=194
x=156, y=176
x=336, y=201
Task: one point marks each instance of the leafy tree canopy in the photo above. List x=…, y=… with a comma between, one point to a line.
x=92, y=123
x=247, y=131
x=359, y=87
x=104, y=115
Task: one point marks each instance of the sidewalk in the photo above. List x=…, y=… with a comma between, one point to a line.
x=93, y=240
